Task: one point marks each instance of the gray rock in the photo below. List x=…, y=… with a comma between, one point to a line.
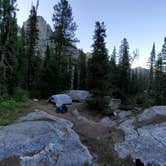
x=75, y=112
x=35, y=100
x=41, y=115
x=45, y=33
x=122, y=115
x=41, y=140
x=152, y=112
x=107, y=122
x=82, y=118
x=137, y=109
x=78, y=95
x=128, y=128
x=114, y=103
x=147, y=143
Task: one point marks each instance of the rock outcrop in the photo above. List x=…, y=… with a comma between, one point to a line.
x=106, y=121
x=78, y=95
x=145, y=137
x=152, y=112
x=45, y=33
x=40, y=139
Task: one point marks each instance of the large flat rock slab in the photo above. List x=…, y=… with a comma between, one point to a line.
x=78, y=95
x=147, y=143
x=40, y=139
x=152, y=112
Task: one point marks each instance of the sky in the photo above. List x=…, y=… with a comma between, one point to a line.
x=142, y=22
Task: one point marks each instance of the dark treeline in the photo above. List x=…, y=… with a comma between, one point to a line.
x=23, y=70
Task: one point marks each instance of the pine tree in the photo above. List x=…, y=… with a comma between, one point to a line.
x=152, y=65
x=113, y=71
x=98, y=64
x=82, y=70
x=76, y=75
x=123, y=47
x=163, y=52
x=31, y=43
x=22, y=60
x=47, y=82
x=114, y=56
x=8, y=46
x=159, y=80
x=160, y=77
x=63, y=37
x=124, y=67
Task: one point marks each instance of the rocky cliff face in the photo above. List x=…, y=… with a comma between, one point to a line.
x=45, y=33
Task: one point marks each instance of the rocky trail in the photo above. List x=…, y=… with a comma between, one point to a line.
x=117, y=140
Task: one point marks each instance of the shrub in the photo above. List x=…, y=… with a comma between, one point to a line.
x=20, y=94
x=107, y=111
x=11, y=109
x=86, y=164
x=96, y=102
x=12, y=104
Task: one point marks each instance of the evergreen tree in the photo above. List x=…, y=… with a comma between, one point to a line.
x=98, y=64
x=152, y=65
x=113, y=71
x=160, y=77
x=82, y=70
x=163, y=52
x=22, y=60
x=47, y=82
x=63, y=37
x=8, y=46
x=123, y=47
x=114, y=56
x=31, y=44
x=159, y=80
x=124, y=67
x=76, y=75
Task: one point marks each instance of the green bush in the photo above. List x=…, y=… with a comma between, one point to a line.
x=12, y=104
x=96, y=102
x=141, y=100
x=11, y=109
x=20, y=94
x=118, y=94
x=107, y=111
x=86, y=164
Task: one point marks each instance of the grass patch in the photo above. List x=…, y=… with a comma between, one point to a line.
x=107, y=112
x=104, y=150
x=11, y=109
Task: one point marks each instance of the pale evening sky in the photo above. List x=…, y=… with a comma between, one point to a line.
x=142, y=22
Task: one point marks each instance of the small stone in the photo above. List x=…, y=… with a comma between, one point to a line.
x=78, y=95
x=75, y=112
x=35, y=100
x=107, y=122
x=114, y=103
x=123, y=114
x=83, y=118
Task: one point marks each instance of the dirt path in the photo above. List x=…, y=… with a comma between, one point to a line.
x=98, y=138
